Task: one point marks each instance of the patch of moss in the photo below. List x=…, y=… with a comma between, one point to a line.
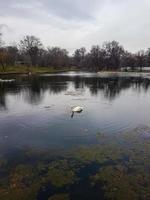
x=119, y=165
x=62, y=196
x=60, y=173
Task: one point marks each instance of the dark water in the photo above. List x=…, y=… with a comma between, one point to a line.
x=35, y=111
x=100, y=153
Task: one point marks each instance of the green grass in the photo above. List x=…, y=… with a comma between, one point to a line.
x=33, y=70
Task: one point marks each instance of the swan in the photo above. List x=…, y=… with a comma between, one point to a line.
x=77, y=109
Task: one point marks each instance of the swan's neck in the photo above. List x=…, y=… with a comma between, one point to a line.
x=72, y=114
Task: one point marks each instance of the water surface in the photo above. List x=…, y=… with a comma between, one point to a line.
x=35, y=111
x=105, y=150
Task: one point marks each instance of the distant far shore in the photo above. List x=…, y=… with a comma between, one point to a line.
x=18, y=70
x=33, y=70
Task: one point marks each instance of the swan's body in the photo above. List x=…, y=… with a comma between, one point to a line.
x=77, y=109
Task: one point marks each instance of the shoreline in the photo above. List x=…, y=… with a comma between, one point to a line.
x=34, y=71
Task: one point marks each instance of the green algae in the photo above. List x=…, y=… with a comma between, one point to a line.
x=60, y=173
x=119, y=165
x=62, y=196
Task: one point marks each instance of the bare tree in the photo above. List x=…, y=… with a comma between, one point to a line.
x=148, y=57
x=114, y=52
x=95, y=55
x=140, y=59
x=79, y=56
x=3, y=59
x=57, y=57
x=12, y=52
x=98, y=57
x=1, y=42
x=128, y=60
x=31, y=45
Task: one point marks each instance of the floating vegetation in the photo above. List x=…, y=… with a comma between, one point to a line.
x=61, y=173
x=115, y=169
x=60, y=197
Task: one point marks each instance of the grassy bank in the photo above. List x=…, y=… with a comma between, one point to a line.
x=39, y=70
x=33, y=70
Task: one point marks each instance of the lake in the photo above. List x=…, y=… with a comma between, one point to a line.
x=36, y=111
x=35, y=117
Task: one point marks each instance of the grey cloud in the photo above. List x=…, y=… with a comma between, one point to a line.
x=16, y=8
x=78, y=9
x=4, y=28
x=72, y=24
x=66, y=9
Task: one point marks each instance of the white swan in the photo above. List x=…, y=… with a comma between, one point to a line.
x=77, y=109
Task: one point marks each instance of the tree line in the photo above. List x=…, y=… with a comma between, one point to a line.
x=110, y=56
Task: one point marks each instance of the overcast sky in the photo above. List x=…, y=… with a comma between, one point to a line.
x=74, y=23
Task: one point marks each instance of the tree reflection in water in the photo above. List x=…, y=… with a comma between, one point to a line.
x=33, y=88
